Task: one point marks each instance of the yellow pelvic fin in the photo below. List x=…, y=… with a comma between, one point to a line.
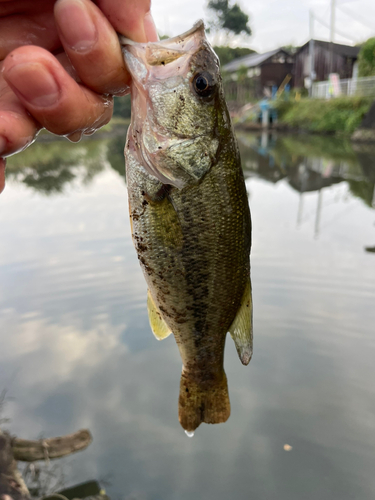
x=158, y=326
x=241, y=329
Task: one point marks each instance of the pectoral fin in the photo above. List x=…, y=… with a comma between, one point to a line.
x=158, y=326
x=241, y=329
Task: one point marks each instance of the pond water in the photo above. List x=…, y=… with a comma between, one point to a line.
x=76, y=350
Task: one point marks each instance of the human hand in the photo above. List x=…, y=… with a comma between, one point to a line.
x=61, y=63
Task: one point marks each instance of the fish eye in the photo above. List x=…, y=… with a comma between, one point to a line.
x=203, y=84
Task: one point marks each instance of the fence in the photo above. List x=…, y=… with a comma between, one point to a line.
x=241, y=92
x=352, y=86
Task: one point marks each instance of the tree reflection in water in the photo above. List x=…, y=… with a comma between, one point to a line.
x=49, y=167
x=309, y=163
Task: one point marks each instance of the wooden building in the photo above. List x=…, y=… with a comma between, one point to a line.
x=264, y=70
x=328, y=58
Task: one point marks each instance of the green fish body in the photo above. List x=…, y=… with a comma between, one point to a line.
x=190, y=217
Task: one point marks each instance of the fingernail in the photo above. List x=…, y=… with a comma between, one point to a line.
x=150, y=28
x=3, y=144
x=75, y=24
x=34, y=83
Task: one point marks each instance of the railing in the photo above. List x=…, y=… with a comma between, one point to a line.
x=240, y=92
x=352, y=86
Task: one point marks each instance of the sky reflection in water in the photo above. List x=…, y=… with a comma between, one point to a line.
x=76, y=349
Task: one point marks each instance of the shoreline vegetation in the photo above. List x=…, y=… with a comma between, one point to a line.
x=340, y=116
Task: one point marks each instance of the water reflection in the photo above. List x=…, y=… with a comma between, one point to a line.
x=309, y=163
x=50, y=167
x=76, y=350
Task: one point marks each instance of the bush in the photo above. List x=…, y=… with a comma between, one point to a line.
x=366, y=58
x=342, y=114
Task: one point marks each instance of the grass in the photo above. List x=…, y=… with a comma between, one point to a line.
x=340, y=115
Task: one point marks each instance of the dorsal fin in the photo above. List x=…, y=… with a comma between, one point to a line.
x=158, y=326
x=241, y=329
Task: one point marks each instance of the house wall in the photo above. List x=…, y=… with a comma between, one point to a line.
x=322, y=65
x=274, y=74
x=269, y=74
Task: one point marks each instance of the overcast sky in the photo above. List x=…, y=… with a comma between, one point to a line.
x=277, y=22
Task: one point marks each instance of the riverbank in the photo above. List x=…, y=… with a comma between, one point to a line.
x=341, y=116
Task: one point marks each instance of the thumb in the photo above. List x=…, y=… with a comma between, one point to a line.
x=131, y=18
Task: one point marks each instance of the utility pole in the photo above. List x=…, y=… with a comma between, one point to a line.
x=333, y=20
x=311, y=53
x=332, y=33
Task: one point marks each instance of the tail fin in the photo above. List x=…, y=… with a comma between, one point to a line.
x=206, y=401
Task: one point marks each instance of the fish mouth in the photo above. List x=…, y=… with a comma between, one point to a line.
x=197, y=26
x=178, y=45
x=140, y=58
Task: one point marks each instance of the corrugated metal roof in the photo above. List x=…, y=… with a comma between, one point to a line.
x=250, y=61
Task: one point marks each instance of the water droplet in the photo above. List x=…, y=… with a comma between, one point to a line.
x=189, y=434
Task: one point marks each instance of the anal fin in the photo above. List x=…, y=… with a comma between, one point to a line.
x=241, y=329
x=158, y=326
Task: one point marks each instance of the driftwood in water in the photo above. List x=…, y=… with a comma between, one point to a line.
x=44, y=449
x=12, y=486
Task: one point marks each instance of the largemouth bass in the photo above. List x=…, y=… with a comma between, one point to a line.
x=189, y=213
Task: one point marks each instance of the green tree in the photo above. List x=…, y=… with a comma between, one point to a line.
x=228, y=54
x=292, y=49
x=366, y=58
x=229, y=18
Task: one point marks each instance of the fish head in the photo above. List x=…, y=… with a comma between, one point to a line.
x=178, y=106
